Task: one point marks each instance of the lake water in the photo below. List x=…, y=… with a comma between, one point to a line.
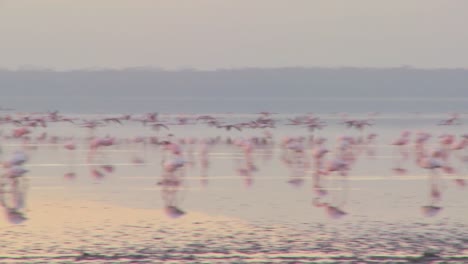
x=232, y=216
x=292, y=105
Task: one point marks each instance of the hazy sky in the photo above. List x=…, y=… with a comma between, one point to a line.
x=208, y=34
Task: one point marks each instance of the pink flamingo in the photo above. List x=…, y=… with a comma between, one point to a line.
x=295, y=158
x=70, y=145
x=433, y=162
x=95, y=145
x=318, y=155
x=20, y=132
x=401, y=144
x=172, y=180
x=247, y=166
x=453, y=120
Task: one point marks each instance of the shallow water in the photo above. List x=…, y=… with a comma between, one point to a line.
x=120, y=217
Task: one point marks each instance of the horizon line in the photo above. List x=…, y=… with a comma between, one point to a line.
x=33, y=68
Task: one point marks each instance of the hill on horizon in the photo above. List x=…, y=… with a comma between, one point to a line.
x=248, y=82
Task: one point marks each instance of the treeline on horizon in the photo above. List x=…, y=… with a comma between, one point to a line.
x=248, y=82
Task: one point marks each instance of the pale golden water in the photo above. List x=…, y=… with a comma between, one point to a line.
x=120, y=218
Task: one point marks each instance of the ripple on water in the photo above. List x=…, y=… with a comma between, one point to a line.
x=126, y=235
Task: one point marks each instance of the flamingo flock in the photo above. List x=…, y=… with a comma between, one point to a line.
x=326, y=161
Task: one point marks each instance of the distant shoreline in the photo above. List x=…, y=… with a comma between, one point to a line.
x=250, y=82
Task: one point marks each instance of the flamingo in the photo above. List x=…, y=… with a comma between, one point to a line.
x=401, y=143
x=20, y=132
x=453, y=120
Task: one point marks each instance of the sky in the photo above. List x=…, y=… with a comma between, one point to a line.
x=213, y=34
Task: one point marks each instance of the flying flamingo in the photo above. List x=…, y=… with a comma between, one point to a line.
x=401, y=144
x=95, y=145
x=453, y=120
x=172, y=179
x=433, y=162
x=318, y=156
x=70, y=146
